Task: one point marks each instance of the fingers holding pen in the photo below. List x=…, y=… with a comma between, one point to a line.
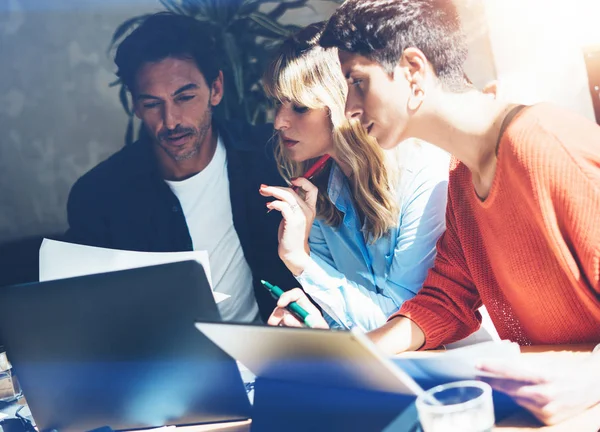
x=307, y=204
x=288, y=202
x=287, y=210
x=281, y=193
x=296, y=295
x=282, y=317
x=310, y=192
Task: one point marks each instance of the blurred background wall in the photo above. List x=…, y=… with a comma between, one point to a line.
x=537, y=47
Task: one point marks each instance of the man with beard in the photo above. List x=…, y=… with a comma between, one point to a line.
x=189, y=182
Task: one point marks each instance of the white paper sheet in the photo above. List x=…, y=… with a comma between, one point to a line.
x=60, y=260
x=454, y=364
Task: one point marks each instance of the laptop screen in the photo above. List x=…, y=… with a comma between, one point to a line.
x=120, y=349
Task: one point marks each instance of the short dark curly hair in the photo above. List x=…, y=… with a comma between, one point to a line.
x=164, y=35
x=382, y=29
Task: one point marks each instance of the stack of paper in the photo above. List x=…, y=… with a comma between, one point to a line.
x=61, y=260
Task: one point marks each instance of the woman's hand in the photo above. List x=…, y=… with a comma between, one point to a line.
x=282, y=317
x=552, y=386
x=298, y=216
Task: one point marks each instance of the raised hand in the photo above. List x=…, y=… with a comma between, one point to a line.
x=298, y=216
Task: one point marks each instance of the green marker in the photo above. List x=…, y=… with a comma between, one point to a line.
x=294, y=308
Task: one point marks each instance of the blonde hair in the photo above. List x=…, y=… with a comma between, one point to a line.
x=308, y=75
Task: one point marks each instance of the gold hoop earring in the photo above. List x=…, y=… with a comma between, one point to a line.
x=416, y=99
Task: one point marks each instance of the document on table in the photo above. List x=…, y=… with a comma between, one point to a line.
x=455, y=364
x=61, y=260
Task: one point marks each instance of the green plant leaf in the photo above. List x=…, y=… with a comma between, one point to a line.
x=233, y=8
x=259, y=110
x=269, y=24
x=125, y=100
x=172, y=6
x=283, y=7
x=235, y=62
x=217, y=12
x=249, y=6
x=196, y=8
x=278, y=1
x=129, y=132
x=264, y=33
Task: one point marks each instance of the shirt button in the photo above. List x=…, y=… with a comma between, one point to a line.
x=175, y=209
x=349, y=324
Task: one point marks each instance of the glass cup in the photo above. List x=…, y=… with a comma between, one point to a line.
x=10, y=389
x=464, y=406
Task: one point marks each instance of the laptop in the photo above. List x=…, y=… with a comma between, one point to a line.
x=343, y=359
x=120, y=349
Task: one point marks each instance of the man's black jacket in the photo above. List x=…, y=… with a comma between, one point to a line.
x=123, y=203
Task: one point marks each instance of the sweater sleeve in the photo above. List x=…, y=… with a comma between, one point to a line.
x=446, y=307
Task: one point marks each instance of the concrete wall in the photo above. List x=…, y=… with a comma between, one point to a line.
x=58, y=116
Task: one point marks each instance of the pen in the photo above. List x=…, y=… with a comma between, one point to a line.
x=315, y=169
x=294, y=308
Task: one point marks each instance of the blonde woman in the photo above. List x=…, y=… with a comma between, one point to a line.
x=361, y=237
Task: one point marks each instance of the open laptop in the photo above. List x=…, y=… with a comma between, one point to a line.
x=120, y=349
x=345, y=359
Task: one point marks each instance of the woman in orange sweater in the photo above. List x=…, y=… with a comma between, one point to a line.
x=523, y=216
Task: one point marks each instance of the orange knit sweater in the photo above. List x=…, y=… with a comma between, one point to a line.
x=531, y=251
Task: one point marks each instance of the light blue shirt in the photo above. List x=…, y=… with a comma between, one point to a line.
x=359, y=283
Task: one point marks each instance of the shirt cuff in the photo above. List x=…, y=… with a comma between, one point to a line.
x=315, y=281
x=313, y=275
x=434, y=329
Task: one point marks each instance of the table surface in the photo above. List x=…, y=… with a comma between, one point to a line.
x=589, y=421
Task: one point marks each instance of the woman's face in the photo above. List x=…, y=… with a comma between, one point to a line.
x=305, y=133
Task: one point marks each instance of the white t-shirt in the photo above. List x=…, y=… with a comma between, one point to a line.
x=206, y=204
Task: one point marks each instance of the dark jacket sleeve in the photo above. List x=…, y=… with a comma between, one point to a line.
x=87, y=224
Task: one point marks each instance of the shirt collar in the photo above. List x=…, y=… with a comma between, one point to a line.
x=338, y=188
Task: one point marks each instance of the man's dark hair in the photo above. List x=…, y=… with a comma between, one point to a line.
x=164, y=35
x=381, y=30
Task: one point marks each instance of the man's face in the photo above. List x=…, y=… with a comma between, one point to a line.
x=376, y=98
x=175, y=103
